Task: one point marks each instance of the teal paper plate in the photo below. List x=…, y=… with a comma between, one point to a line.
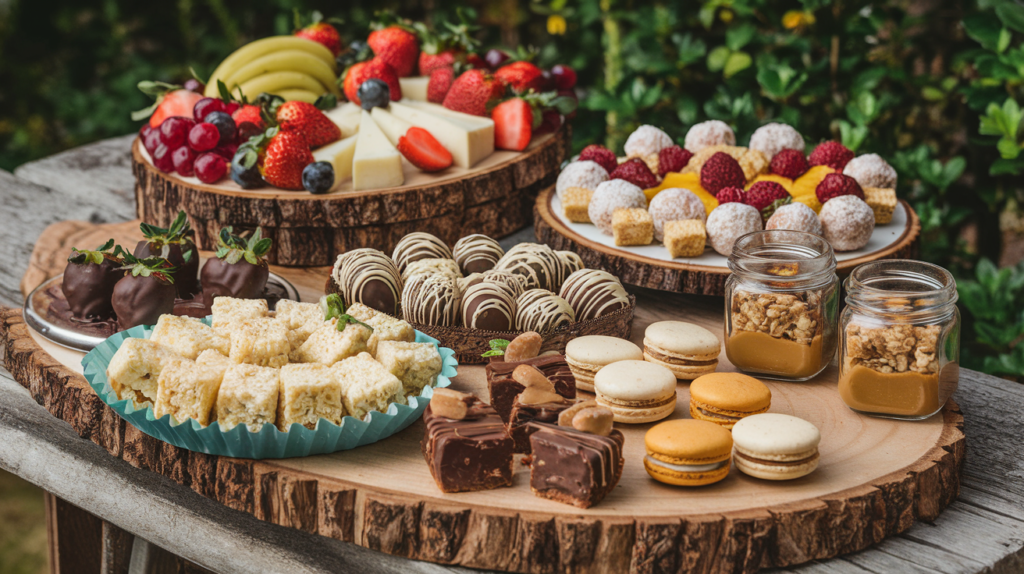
x=269, y=442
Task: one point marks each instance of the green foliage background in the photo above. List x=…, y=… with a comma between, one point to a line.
x=932, y=85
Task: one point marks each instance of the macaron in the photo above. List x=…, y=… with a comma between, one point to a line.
x=687, y=350
x=774, y=446
x=636, y=391
x=725, y=398
x=587, y=355
x=686, y=452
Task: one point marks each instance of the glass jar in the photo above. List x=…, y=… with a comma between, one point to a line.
x=900, y=350
x=781, y=304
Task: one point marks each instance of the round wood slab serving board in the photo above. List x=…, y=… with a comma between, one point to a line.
x=875, y=479
x=684, y=276
x=495, y=198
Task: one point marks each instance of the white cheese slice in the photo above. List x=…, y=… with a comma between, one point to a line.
x=414, y=88
x=468, y=138
x=392, y=126
x=339, y=154
x=346, y=117
x=376, y=163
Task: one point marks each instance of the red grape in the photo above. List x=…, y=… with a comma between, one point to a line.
x=162, y=159
x=205, y=106
x=210, y=167
x=231, y=107
x=225, y=151
x=203, y=137
x=246, y=130
x=152, y=140
x=183, y=159
x=194, y=85
x=565, y=77
x=174, y=131
x=495, y=58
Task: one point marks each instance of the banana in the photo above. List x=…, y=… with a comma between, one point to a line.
x=296, y=95
x=276, y=81
x=254, y=50
x=285, y=61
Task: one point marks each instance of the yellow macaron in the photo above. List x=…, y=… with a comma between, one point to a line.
x=688, y=452
x=725, y=398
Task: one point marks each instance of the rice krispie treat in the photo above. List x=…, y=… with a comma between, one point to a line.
x=685, y=238
x=187, y=336
x=576, y=203
x=646, y=141
x=229, y=312
x=882, y=201
x=361, y=312
x=187, y=390
x=309, y=392
x=586, y=174
x=366, y=385
x=261, y=341
x=387, y=328
x=612, y=195
x=415, y=364
x=248, y=396
x=632, y=227
x=300, y=318
x=135, y=368
x=214, y=360
x=709, y=133
x=327, y=345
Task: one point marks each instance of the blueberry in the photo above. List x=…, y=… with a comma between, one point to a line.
x=318, y=177
x=374, y=93
x=244, y=169
x=224, y=124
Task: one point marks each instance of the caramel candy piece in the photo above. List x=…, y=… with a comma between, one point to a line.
x=566, y=416
x=539, y=396
x=525, y=346
x=450, y=404
x=593, y=420
x=532, y=377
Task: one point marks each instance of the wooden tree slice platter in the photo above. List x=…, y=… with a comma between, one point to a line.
x=683, y=276
x=876, y=477
x=494, y=198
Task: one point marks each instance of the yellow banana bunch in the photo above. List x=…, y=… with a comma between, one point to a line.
x=295, y=66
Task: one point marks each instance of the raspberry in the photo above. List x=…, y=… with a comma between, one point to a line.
x=789, y=163
x=833, y=154
x=672, y=158
x=729, y=195
x=721, y=170
x=837, y=184
x=635, y=171
x=600, y=155
x=766, y=197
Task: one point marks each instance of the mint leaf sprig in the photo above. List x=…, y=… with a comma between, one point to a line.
x=497, y=348
x=334, y=308
x=158, y=267
x=233, y=248
x=178, y=232
x=96, y=256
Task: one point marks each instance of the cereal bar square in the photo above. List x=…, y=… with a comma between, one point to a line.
x=882, y=202
x=685, y=238
x=187, y=390
x=632, y=226
x=229, y=312
x=361, y=312
x=388, y=328
x=187, y=336
x=262, y=341
x=135, y=368
x=576, y=202
x=415, y=364
x=248, y=396
x=300, y=318
x=366, y=385
x=327, y=345
x=309, y=393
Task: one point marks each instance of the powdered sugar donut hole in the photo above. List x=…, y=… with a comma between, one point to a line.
x=795, y=217
x=675, y=204
x=709, y=133
x=586, y=174
x=730, y=221
x=847, y=222
x=770, y=139
x=646, y=140
x=612, y=195
x=870, y=170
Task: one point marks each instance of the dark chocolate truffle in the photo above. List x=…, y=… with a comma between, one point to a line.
x=477, y=253
x=536, y=262
x=489, y=306
x=369, y=277
x=516, y=283
x=419, y=245
x=431, y=300
x=592, y=294
x=541, y=310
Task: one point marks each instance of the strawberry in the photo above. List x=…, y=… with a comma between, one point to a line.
x=766, y=197
x=476, y=60
x=672, y=158
x=600, y=155
x=375, y=68
x=635, y=171
x=721, y=170
x=513, y=124
x=248, y=113
x=835, y=185
x=440, y=82
x=397, y=46
x=729, y=195
x=173, y=103
x=318, y=31
x=832, y=154
x=789, y=163
x=472, y=91
x=522, y=76
x=448, y=46
x=287, y=154
x=309, y=121
x=444, y=59
x=423, y=151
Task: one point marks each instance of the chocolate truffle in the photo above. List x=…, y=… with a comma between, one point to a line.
x=571, y=263
x=870, y=170
x=847, y=222
x=592, y=293
x=795, y=217
x=477, y=253
x=431, y=266
x=709, y=133
x=88, y=283
x=419, y=245
x=515, y=283
x=536, y=262
x=728, y=222
x=770, y=139
x=541, y=310
x=675, y=204
x=489, y=306
x=369, y=277
x=586, y=174
x=431, y=300
x=612, y=195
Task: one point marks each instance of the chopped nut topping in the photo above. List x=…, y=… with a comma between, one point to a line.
x=893, y=349
x=792, y=316
x=450, y=404
x=784, y=270
x=566, y=416
x=594, y=420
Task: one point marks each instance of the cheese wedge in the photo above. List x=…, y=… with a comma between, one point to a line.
x=376, y=163
x=415, y=88
x=468, y=138
x=392, y=126
x=346, y=116
x=339, y=154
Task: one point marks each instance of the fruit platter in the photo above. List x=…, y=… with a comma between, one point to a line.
x=329, y=148
x=666, y=216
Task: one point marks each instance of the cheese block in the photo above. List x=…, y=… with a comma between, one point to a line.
x=376, y=163
x=339, y=154
x=468, y=138
x=392, y=126
x=414, y=88
x=346, y=116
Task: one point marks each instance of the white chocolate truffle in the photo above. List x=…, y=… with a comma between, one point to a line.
x=795, y=217
x=612, y=195
x=770, y=139
x=847, y=222
x=675, y=204
x=730, y=221
x=870, y=170
x=645, y=141
x=709, y=133
x=586, y=174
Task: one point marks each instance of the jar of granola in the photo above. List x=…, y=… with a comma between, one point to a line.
x=900, y=350
x=781, y=304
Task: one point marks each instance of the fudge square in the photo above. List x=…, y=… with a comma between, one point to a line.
x=309, y=392
x=248, y=396
x=574, y=467
x=503, y=388
x=474, y=453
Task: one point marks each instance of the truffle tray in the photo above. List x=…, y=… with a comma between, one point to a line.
x=652, y=266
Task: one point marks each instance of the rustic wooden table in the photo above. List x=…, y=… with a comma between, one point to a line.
x=100, y=508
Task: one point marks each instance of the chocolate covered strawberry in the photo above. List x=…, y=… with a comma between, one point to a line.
x=176, y=244
x=239, y=270
x=89, y=280
x=145, y=292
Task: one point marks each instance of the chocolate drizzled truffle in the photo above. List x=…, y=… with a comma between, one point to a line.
x=571, y=263
x=489, y=306
x=430, y=266
x=592, y=293
x=431, y=300
x=477, y=253
x=538, y=263
x=419, y=245
x=370, y=277
x=541, y=310
x=515, y=283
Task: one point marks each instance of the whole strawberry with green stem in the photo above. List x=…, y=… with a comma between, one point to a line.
x=171, y=100
x=473, y=92
x=358, y=73
x=177, y=245
x=308, y=120
x=145, y=292
x=282, y=156
x=239, y=269
x=89, y=280
x=319, y=30
x=448, y=46
x=394, y=41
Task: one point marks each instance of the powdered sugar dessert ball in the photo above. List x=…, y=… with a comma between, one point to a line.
x=729, y=222
x=870, y=170
x=646, y=140
x=675, y=204
x=795, y=217
x=586, y=174
x=770, y=139
x=612, y=195
x=709, y=133
x=847, y=222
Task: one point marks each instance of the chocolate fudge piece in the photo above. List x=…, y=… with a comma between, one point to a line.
x=503, y=388
x=474, y=453
x=574, y=467
x=519, y=427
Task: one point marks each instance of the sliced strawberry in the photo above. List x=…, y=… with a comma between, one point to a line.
x=513, y=124
x=248, y=113
x=423, y=151
x=176, y=103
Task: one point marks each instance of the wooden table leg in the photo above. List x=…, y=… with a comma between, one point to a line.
x=74, y=538
x=117, y=549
